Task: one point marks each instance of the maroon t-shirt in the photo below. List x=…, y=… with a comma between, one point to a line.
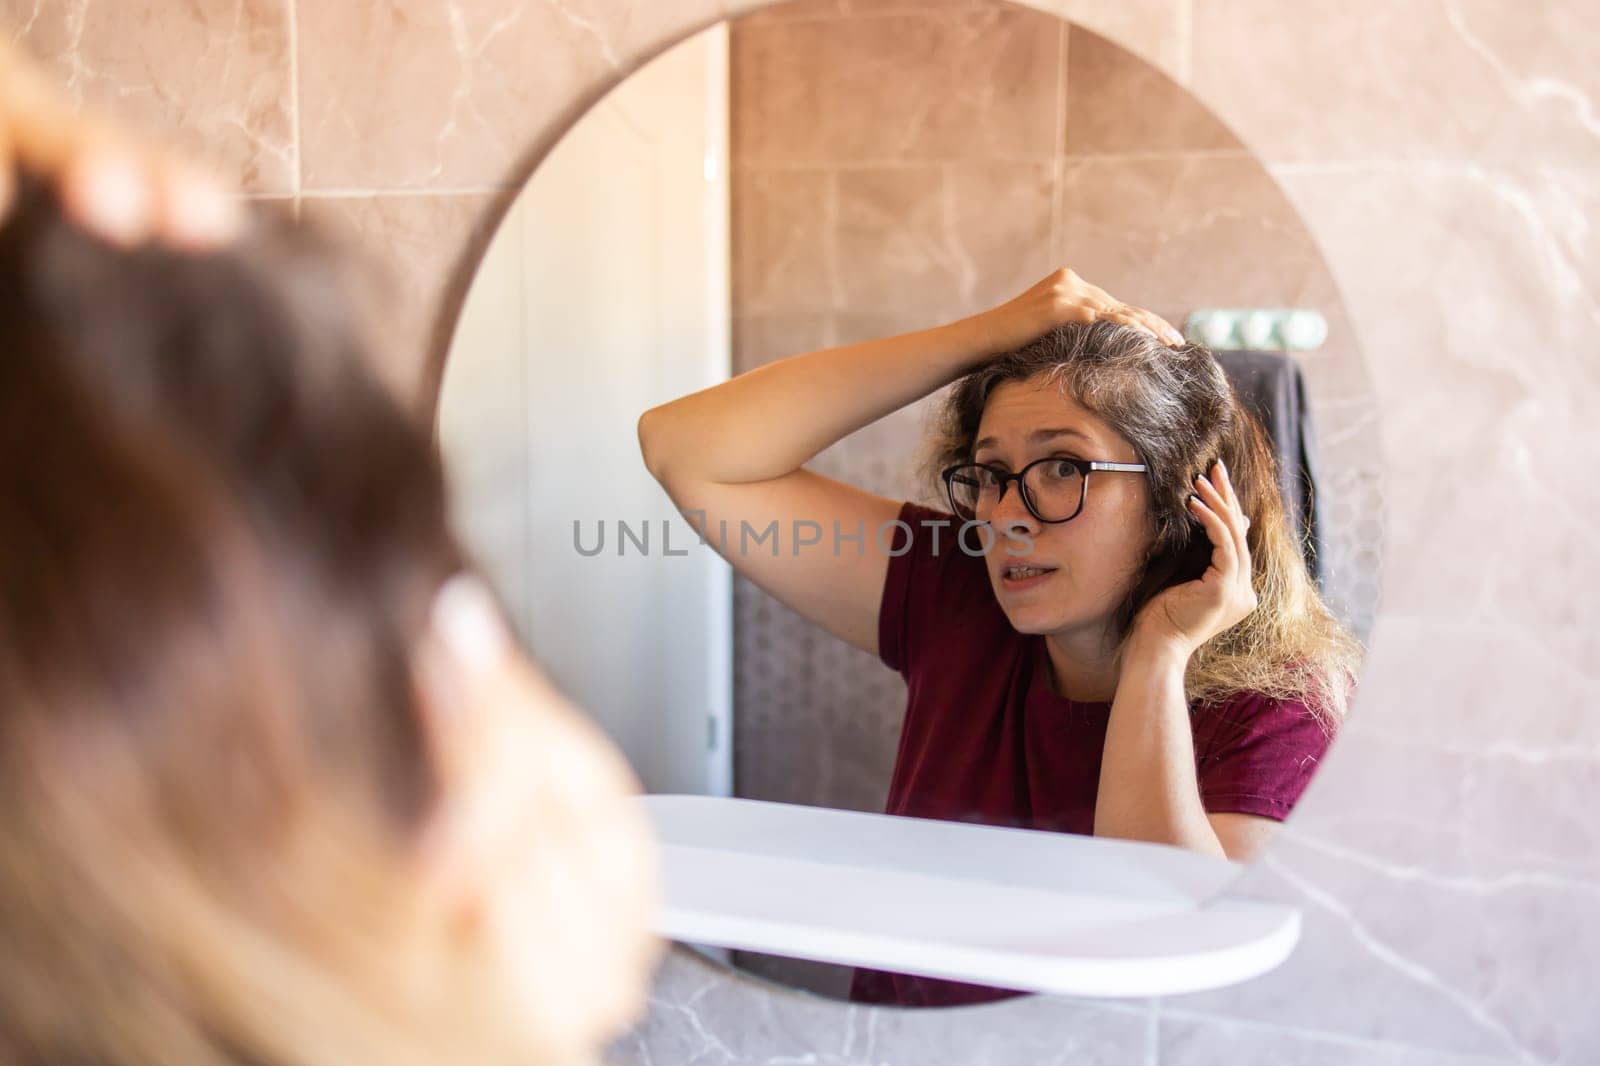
x=985, y=739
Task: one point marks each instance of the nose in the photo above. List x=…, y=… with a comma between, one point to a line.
x=1011, y=513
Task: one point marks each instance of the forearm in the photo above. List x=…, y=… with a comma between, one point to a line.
x=1148, y=788
x=770, y=421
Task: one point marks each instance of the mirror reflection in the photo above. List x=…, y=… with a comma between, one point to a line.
x=821, y=412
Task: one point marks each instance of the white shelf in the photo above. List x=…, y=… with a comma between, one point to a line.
x=1015, y=908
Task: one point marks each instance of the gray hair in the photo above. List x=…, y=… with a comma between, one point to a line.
x=1173, y=404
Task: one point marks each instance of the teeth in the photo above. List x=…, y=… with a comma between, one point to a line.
x=1024, y=571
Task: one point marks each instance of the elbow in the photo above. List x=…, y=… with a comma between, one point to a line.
x=651, y=446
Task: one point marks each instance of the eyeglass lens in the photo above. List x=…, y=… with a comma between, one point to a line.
x=1054, y=488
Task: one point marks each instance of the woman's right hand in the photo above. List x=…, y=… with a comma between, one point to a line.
x=108, y=182
x=1061, y=297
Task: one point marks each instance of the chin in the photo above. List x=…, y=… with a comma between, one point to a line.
x=1032, y=623
x=1036, y=617
x=1033, y=618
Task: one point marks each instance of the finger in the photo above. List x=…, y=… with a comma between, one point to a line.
x=1242, y=520
x=1243, y=525
x=1230, y=515
x=8, y=172
x=1125, y=319
x=1237, y=521
x=41, y=128
x=1167, y=329
x=1228, y=509
x=1080, y=313
x=1168, y=335
x=104, y=184
x=194, y=211
x=1210, y=490
x=110, y=190
x=1223, y=558
x=1225, y=482
x=1158, y=325
x=1117, y=311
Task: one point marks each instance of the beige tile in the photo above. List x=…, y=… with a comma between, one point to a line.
x=1177, y=234
x=945, y=241
x=1118, y=102
x=945, y=83
x=1470, y=287
x=459, y=94
x=867, y=323
x=811, y=10
x=782, y=241
x=1432, y=80
x=897, y=246
x=759, y=339
x=416, y=255
x=210, y=79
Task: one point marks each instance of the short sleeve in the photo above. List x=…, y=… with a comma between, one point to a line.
x=1256, y=754
x=933, y=583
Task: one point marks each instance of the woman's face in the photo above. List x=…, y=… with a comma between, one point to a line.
x=546, y=841
x=588, y=897
x=1087, y=563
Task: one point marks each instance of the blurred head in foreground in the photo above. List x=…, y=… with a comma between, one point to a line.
x=275, y=785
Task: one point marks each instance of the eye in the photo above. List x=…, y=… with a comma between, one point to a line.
x=1061, y=470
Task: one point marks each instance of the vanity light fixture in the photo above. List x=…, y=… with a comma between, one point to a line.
x=1280, y=330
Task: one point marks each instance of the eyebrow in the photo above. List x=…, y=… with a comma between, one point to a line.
x=1036, y=437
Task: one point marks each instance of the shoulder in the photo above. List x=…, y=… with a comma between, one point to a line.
x=1257, y=707
x=1271, y=726
x=937, y=593
x=945, y=556
x=922, y=520
x=1256, y=753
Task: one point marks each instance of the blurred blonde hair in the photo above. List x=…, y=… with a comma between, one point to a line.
x=219, y=540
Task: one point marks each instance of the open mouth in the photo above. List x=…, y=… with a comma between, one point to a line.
x=1017, y=575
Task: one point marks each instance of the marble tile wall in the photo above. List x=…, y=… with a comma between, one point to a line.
x=1441, y=154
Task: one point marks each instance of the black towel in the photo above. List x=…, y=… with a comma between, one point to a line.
x=1271, y=385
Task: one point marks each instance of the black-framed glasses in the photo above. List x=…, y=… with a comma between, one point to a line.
x=1053, y=489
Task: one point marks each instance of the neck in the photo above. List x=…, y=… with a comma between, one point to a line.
x=1082, y=667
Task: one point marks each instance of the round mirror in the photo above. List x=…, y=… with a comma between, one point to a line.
x=821, y=176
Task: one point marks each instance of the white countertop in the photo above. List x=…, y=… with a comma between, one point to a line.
x=1015, y=908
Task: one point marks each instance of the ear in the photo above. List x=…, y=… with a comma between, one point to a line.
x=455, y=665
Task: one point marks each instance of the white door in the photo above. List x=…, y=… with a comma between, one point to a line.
x=604, y=293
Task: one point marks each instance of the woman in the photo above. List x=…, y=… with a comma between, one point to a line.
x=275, y=785
x=1111, y=631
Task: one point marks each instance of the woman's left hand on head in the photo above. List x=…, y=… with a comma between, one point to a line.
x=1190, y=614
x=108, y=182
